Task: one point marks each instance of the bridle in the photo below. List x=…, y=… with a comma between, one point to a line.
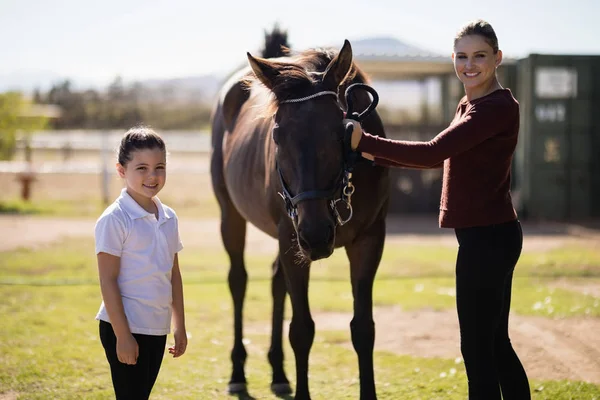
x=344, y=179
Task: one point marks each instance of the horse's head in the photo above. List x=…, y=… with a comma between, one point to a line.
x=309, y=138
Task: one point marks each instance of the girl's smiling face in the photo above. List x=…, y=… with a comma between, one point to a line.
x=145, y=174
x=475, y=62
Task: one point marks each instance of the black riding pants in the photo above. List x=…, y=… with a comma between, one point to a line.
x=133, y=382
x=484, y=270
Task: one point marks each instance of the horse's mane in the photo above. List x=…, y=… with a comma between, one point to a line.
x=276, y=43
x=300, y=74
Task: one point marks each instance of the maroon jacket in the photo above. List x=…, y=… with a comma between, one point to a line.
x=476, y=151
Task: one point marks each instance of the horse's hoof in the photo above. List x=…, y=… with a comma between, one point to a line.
x=281, y=388
x=234, y=388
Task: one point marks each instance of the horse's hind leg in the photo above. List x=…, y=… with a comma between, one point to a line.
x=364, y=255
x=280, y=385
x=233, y=234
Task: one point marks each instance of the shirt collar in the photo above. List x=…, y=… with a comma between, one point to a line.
x=135, y=211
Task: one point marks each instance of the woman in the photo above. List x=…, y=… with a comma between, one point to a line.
x=476, y=151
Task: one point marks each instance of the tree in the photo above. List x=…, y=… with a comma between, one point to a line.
x=16, y=117
x=71, y=104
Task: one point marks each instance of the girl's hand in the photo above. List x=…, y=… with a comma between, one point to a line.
x=180, y=336
x=356, y=132
x=127, y=349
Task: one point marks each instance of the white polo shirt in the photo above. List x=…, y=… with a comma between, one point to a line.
x=147, y=249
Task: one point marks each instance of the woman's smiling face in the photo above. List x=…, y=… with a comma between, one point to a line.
x=475, y=61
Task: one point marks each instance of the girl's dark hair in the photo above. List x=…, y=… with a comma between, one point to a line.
x=481, y=28
x=138, y=138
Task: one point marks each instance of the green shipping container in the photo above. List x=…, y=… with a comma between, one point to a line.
x=557, y=164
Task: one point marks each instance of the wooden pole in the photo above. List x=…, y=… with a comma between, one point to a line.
x=104, y=161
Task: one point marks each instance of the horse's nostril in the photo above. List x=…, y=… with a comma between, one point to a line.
x=322, y=238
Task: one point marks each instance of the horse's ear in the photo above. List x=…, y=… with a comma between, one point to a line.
x=339, y=67
x=263, y=70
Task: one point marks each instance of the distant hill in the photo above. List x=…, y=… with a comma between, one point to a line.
x=27, y=81
x=388, y=46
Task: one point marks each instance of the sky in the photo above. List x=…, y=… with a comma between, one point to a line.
x=92, y=42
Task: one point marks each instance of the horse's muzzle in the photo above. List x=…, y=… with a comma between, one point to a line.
x=317, y=243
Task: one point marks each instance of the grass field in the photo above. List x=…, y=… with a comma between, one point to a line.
x=50, y=349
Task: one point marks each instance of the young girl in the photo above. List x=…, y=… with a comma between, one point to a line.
x=137, y=241
x=476, y=151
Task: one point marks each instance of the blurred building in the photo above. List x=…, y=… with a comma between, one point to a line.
x=555, y=173
x=49, y=111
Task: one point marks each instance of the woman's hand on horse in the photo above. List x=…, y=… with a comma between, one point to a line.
x=368, y=156
x=356, y=132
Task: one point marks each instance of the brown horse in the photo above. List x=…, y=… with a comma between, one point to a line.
x=281, y=161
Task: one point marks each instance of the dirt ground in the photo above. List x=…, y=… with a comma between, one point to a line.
x=549, y=348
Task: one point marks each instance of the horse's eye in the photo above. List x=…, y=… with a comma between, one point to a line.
x=275, y=134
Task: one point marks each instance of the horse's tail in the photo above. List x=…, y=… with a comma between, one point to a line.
x=276, y=43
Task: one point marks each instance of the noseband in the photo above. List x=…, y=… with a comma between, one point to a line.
x=344, y=178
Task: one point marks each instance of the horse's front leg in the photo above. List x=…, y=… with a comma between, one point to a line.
x=302, y=326
x=280, y=385
x=364, y=255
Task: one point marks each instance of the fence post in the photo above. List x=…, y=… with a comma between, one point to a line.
x=27, y=177
x=104, y=161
